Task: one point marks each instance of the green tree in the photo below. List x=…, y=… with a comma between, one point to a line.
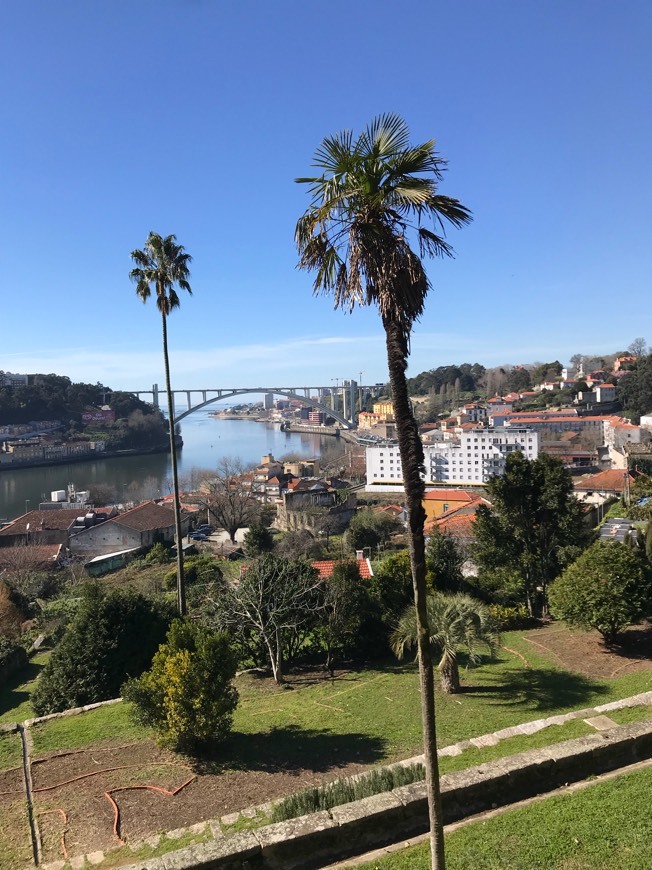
x=346, y=600
x=456, y=621
x=258, y=540
x=275, y=605
x=112, y=636
x=534, y=525
x=187, y=695
x=444, y=560
x=634, y=389
x=163, y=265
x=372, y=195
x=369, y=528
x=607, y=588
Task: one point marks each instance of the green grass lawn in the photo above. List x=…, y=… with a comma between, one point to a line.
x=606, y=826
x=372, y=715
x=11, y=751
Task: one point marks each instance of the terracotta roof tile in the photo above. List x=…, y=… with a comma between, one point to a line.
x=146, y=517
x=58, y=518
x=325, y=568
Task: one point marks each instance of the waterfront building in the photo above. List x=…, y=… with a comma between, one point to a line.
x=470, y=459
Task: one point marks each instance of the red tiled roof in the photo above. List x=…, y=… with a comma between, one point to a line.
x=58, y=518
x=612, y=480
x=146, y=517
x=451, y=495
x=36, y=555
x=325, y=568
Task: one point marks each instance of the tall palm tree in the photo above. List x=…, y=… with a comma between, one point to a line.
x=374, y=193
x=162, y=264
x=455, y=621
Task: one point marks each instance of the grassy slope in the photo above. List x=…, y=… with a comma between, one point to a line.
x=605, y=826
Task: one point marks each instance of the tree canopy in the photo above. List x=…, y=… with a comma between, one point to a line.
x=534, y=525
x=607, y=588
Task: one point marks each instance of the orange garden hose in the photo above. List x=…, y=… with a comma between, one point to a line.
x=155, y=788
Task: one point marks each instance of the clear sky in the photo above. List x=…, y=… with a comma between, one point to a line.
x=194, y=116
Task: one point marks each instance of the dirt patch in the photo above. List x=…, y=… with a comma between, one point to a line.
x=72, y=790
x=584, y=652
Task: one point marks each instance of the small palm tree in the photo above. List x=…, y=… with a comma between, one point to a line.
x=455, y=621
x=372, y=194
x=162, y=264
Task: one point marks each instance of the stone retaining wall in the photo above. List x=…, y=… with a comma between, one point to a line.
x=310, y=842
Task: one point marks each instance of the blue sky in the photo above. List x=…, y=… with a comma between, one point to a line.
x=194, y=116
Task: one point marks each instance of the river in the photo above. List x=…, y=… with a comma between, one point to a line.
x=205, y=440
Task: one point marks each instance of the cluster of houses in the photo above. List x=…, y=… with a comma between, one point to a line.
x=107, y=537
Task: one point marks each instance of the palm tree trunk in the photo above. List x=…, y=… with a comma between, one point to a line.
x=181, y=591
x=412, y=462
x=449, y=674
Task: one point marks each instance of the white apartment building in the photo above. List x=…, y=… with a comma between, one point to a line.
x=476, y=456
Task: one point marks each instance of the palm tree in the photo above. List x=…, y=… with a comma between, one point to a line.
x=163, y=264
x=372, y=194
x=455, y=621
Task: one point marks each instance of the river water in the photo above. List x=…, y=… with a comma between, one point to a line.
x=206, y=440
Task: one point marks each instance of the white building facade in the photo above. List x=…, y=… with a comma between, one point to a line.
x=471, y=460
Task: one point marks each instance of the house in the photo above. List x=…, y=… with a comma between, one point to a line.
x=141, y=527
x=610, y=483
x=48, y=526
x=37, y=557
x=326, y=567
x=437, y=502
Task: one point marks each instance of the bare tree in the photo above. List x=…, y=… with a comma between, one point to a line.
x=277, y=599
x=638, y=347
x=228, y=496
x=25, y=569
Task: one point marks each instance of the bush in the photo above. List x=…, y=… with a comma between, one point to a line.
x=203, y=569
x=258, y=540
x=159, y=554
x=12, y=657
x=607, y=588
x=187, y=694
x=113, y=636
x=344, y=791
x=511, y=618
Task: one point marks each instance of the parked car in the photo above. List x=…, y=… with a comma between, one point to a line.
x=206, y=529
x=198, y=536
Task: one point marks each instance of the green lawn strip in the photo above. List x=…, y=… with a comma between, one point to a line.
x=110, y=724
x=11, y=751
x=15, y=693
x=605, y=826
x=630, y=714
x=511, y=745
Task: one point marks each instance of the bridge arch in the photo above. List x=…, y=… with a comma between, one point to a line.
x=287, y=394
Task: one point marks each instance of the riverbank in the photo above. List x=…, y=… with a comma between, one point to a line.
x=87, y=457
x=206, y=441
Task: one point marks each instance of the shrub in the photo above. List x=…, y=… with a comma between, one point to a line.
x=187, y=694
x=510, y=618
x=344, y=791
x=203, y=569
x=159, y=554
x=112, y=636
x=607, y=588
x=12, y=657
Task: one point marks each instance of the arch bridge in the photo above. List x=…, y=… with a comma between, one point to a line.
x=339, y=402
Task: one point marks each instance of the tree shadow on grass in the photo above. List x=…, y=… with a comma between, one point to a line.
x=291, y=749
x=11, y=693
x=542, y=689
